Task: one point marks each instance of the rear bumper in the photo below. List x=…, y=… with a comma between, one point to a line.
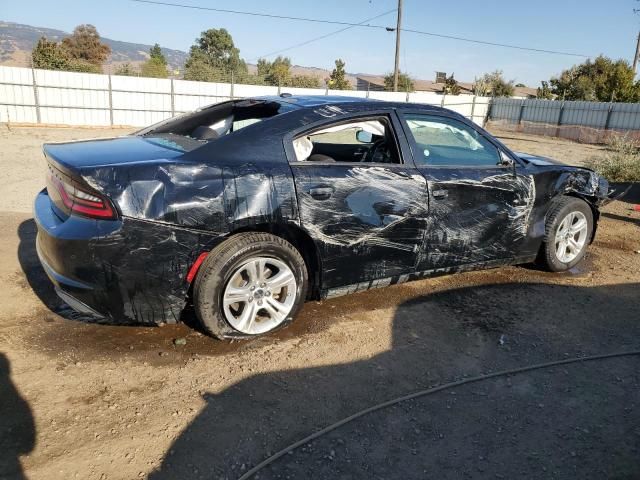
x=126, y=270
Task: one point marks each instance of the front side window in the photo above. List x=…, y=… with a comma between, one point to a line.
x=366, y=140
x=445, y=141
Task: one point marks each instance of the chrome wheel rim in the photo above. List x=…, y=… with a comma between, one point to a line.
x=571, y=236
x=259, y=295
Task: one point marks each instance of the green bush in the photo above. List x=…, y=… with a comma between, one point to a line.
x=621, y=163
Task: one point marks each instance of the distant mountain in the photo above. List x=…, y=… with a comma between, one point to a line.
x=17, y=41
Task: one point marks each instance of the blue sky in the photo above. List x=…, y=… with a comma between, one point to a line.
x=590, y=27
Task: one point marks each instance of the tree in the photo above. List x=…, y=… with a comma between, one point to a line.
x=86, y=51
x=337, y=80
x=216, y=49
x=155, y=52
x=405, y=82
x=602, y=79
x=156, y=66
x=303, y=81
x=126, y=69
x=451, y=86
x=520, y=85
x=279, y=71
x=493, y=84
x=49, y=56
x=197, y=68
x=544, y=92
x=263, y=67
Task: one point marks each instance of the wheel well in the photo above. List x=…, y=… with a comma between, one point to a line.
x=302, y=242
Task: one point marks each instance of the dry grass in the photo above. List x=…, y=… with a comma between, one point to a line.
x=621, y=162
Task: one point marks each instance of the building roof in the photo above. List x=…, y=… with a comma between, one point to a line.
x=430, y=86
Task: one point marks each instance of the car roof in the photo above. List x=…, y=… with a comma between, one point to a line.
x=312, y=101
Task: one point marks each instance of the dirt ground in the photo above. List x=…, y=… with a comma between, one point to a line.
x=90, y=401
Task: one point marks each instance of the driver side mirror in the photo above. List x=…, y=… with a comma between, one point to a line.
x=505, y=160
x=363, y=136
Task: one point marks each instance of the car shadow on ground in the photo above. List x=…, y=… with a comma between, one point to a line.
x=33, y=271
x=575, y=421
x=17, y=426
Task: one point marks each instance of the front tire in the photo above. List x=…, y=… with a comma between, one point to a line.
x=568, y=232
x=250, y=285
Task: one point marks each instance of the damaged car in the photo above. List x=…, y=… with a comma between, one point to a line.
x=247, y=208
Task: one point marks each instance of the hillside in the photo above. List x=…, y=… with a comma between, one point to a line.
x=17, y=41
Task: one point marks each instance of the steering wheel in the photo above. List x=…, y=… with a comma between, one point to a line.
x=375, y=148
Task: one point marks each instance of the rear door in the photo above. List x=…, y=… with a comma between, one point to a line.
x=479, y=206
x=360, y=198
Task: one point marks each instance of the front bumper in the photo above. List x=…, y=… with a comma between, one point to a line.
x=126, y=270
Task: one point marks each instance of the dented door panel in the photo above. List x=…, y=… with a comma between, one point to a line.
x=367, y=220
x=476, y=215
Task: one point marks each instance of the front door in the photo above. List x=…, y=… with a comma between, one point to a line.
x=479, y=207
x=361, y=203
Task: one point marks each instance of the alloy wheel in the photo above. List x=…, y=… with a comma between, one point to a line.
x=571, y=236
x=259, y=295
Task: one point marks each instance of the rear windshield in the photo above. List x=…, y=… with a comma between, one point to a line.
x=215, y=121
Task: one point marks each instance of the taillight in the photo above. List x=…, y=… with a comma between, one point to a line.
x=80, y=201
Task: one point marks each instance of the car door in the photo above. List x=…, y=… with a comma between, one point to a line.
x=479, y=206
x=365, y=206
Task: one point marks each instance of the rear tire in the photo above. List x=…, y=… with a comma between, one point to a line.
x=250, y=285
x=568, y=232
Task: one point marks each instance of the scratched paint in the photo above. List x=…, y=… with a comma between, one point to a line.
x=379, y=224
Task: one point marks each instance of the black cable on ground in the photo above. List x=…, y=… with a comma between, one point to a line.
x=251, y=472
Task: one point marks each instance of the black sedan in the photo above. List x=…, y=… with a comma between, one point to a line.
x=249, y=207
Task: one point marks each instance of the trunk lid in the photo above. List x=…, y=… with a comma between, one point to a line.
x=116, y=151
x=71, y=167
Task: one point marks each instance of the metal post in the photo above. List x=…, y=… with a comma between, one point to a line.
x=521, y=113
x=635, y=57
x=442, y=101
x=232, y=80
x=607, y=122
x=173, y=100
x=110, y=102
x=35, y=96
x=489, y=110
x=473, y=108
x=560, y=115
x=396, y=69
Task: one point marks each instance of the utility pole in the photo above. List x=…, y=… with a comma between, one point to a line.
x=396, y=70
x=635, y=57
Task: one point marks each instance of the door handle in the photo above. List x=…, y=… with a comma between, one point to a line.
x=321, y=193
x=440, y=193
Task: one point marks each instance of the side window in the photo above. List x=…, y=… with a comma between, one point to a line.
x=445, y=141
x=363, y=140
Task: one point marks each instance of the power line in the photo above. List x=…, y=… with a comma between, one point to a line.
x=336, y=22
x=306, y=42
x=495, y=44
x=257, y=14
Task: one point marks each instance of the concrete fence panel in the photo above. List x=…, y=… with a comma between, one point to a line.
x=69, y=98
